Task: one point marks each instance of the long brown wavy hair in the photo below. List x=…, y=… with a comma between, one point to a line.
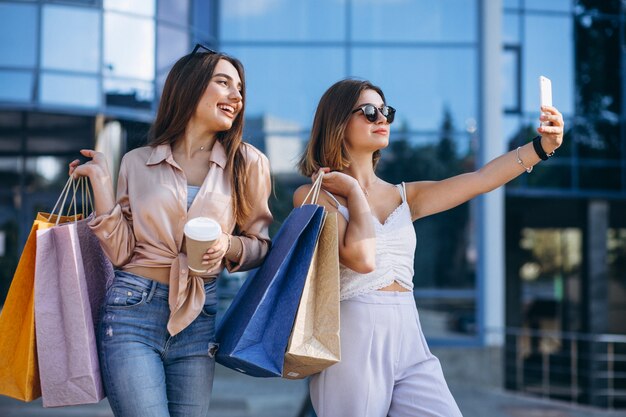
x=326, y=146
x=184, y=86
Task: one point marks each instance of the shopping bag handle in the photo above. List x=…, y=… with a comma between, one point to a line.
x=87, y=201
x=314, y=192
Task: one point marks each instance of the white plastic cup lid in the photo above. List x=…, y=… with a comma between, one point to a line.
x=202, y=229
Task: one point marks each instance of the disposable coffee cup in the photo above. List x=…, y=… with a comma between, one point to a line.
x=200, y=234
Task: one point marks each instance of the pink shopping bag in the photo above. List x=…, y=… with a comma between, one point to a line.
x=71, y=275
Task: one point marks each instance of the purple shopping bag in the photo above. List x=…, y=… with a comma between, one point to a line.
x=71, y=275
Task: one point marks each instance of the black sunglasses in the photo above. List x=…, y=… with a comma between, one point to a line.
x=202, y=48
x=371, y=112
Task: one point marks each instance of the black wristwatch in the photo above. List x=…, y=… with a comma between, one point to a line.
x=539, y=149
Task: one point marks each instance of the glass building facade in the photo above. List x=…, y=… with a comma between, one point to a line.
x=69, y=69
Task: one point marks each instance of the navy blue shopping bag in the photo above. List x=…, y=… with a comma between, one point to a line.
x=254, y=333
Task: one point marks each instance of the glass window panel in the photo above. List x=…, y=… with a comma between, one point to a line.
x=64, y=122
x=616, y=245
x=47, y=173
x=510, y=28
x=555, y=63
x=445, y=255
x=511, y=3
x=144, y=7
x=69, y=90
x=510, y=80
x=443, y=20
x=599, y=6
x=128, y=46
x=599, y=178
x=10, y=144
x=18, y=35
x=176, y=11
x=282, y=20
x=444, y=318
x=61, y=143
x=282, y=142
x=512, y=127
x=129, y=93
x=70, y=38
x=552, y=5
x=10, y=169
x=204, y=19
x=16, y=85
x=287, y=83
x=10, y=119
x=173, y=44
x=422, y=84
x=545, y=175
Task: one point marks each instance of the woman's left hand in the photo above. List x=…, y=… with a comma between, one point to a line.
x=551, y=136
x=214, y=255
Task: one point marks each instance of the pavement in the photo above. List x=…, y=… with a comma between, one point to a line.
x=237, y=395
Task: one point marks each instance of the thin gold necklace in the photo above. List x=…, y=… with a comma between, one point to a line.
x=364, y=189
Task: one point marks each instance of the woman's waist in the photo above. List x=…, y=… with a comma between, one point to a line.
x=402, y=271
x=160, y=274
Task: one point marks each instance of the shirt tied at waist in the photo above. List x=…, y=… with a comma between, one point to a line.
x=186, y=297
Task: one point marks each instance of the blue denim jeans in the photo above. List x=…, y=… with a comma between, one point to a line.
x=147, y=372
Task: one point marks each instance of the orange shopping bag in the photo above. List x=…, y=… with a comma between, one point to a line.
x=19, y=375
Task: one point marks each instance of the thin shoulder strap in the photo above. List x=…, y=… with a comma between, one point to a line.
x=334, y=199
x=402, y=188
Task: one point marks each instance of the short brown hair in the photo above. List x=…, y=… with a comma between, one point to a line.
x=326, y=146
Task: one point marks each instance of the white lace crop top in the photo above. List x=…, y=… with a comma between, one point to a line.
x=395, y=250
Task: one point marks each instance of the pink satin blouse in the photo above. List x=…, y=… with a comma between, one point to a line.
x=145, y=228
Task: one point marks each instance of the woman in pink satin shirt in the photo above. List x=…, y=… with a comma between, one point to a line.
x=156, y=336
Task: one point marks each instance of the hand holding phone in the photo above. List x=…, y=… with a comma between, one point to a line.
x=545, y=94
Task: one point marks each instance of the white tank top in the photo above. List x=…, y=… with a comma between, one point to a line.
x=395, y=250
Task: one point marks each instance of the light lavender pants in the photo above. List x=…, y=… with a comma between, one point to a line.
x=386, y=368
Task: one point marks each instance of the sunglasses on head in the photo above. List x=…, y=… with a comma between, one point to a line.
x=371, y=112
x=203, y=49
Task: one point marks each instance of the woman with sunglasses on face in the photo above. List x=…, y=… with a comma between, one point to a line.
x=386, y=368
x=156, y=337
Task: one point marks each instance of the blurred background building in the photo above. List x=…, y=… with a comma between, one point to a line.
x=534, y=274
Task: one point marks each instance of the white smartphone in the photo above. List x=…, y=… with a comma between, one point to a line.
x=545, y=94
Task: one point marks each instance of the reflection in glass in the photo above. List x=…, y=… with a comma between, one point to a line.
x=447, y=318
x=129, y=93
x=10, y=169
x=69, y=90
x=46, y=173
x=176, y=11
x=287, y=83
x=203, y=18
x=552, y=5
x=550, y=262
x=70, y=38
x=16, y=85
x=556, y=64
x=18, y=34
x=431, y=21
x=10, y=119
x=128, y=46
x=10, y=143
x=61, y=143
x=616, y=245
x=510, y=80
x=143, y=7
x=173, y=44
x=319, y=20
x=510, y=28
x=422, y=84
